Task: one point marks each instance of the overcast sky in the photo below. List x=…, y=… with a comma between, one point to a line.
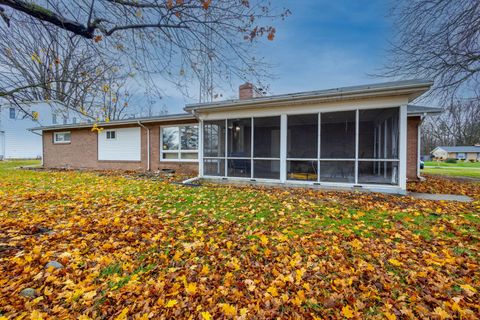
x=323, y=44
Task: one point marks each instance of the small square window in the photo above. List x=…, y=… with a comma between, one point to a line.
x=111, y=135
x=61, y=137
x=12, y=113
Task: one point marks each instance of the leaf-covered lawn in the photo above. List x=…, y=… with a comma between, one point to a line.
x=141, y=248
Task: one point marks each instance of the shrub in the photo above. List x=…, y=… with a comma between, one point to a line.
x=451, y=160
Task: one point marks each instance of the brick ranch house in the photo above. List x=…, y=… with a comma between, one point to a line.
x=363, y=136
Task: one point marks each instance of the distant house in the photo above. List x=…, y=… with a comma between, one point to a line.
x=458, y=152
x=363, y=136
x=16, y=141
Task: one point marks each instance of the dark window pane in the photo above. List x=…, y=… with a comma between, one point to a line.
x=266, y=137
x=378, y=172
x=378, y=134
x=239, y=168
x=214, y=167
x=266, y=169
x=170, y=138
x=214, y=138
x=337, y=171
x=239, y=137
x=302, y=139
x=189, y=137
x=302, y=170
x=337, y=135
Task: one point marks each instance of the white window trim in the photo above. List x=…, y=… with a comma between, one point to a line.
x=106, y=135
x=180, y=151
x=55, y=141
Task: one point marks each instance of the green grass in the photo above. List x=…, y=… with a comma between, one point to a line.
x=463, y=164
x=454, y=172
x=12, y=164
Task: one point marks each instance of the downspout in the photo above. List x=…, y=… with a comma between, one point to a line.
x=419, y=141
x=148, y=144
x=43, y=149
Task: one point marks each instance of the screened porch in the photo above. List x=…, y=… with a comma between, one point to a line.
x=345, y=147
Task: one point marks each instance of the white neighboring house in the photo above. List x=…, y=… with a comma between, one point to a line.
x=16, y=141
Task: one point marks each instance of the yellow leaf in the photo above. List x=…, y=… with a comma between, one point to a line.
x=395, y=262
x=468, y=289
x=89, y=295
x=228, y=310
x=36, y=315
x=264, y=239
x=205, y=270
x=191, y=288
x=84, y=317
x=206, y=315
x=357, y=244
x=390, y=316
x=441, y=313
x=273, y=291
x=122, y=315
x=347, y=312
x=171, y=303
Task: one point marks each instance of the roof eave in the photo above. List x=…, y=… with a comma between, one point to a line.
x=115, y=123
x=412, y=90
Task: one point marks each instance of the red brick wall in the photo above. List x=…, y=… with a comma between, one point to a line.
x=412, y=147
x=82, y=152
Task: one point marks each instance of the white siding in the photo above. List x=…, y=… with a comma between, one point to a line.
x=17, y=141
x=125, y=147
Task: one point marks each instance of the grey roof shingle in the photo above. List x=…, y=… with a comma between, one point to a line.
x=167, y=117
x=461, y=148
x=416, y=85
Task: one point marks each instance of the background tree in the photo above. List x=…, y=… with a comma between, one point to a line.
x=438, y=40
x=43, y=63
x=173, y=38
x=458, y=125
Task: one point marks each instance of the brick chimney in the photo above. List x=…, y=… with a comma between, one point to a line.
x=248, y=91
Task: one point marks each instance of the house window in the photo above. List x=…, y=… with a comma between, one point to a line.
x=461, y=155
x=74, y=120
x=54, y=119
x=111, y=134
x=61, y=137
x=12, y=113
x=65, y=119
x=179, y=143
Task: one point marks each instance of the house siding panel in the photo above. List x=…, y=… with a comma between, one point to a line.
x=125, y=147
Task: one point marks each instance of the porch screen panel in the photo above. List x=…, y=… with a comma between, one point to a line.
x=338, y=135
x=302, y=147
x=239, y=147
x=337, y=171
x=266, y=147
x=337, y=146
x=302, y=137
x=378, y=140
x=214, y=148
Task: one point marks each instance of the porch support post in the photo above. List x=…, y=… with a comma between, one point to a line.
x=200, y=149
x=402, y=174
x=283, y=148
